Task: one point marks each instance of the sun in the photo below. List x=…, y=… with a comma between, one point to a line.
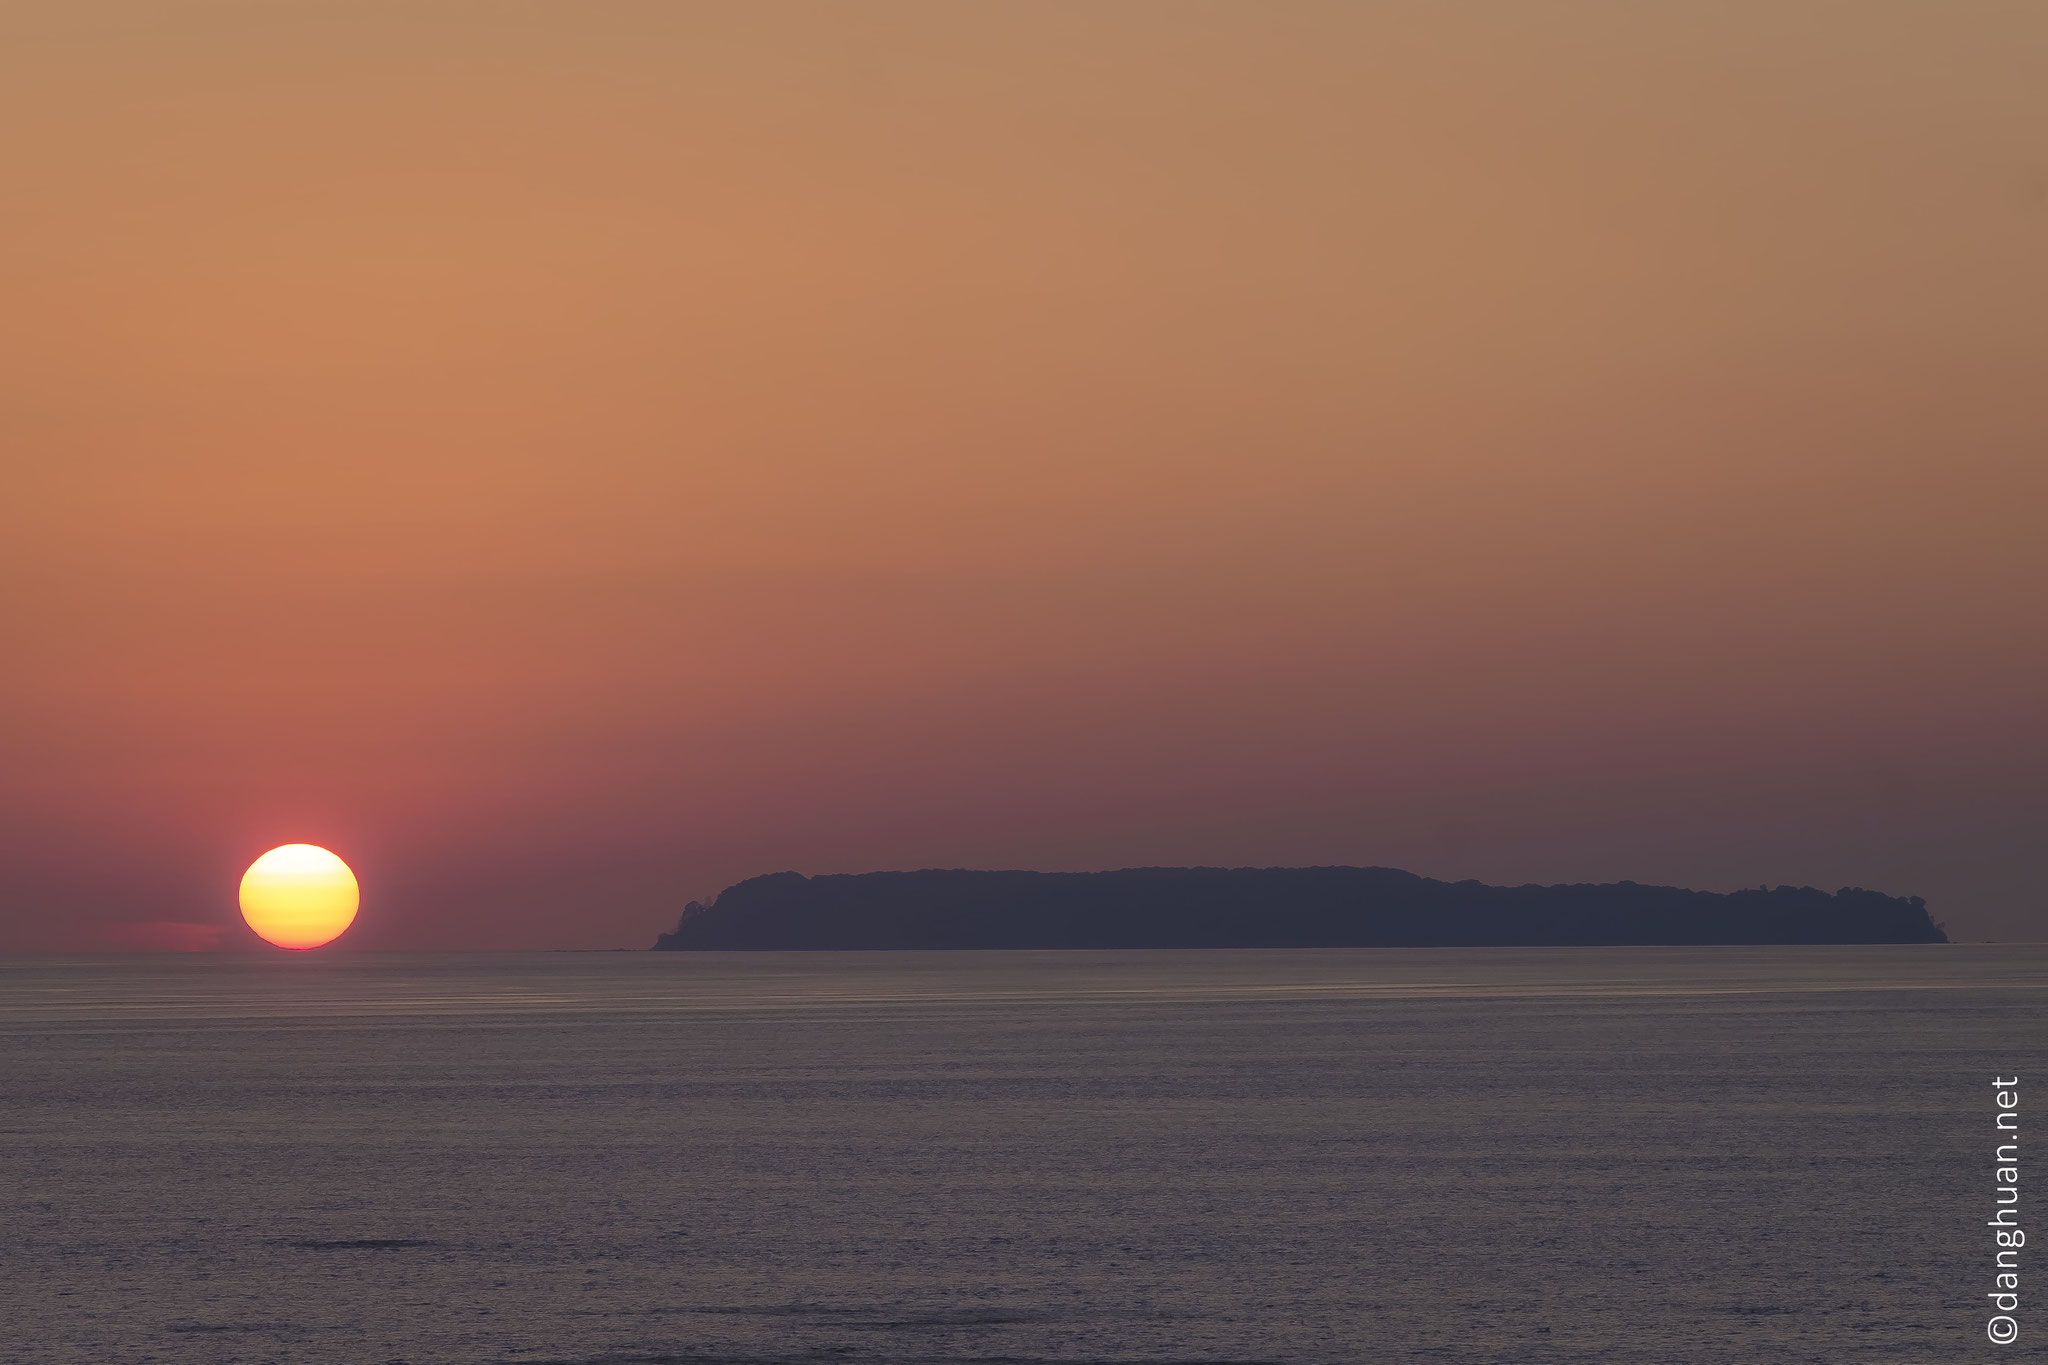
x=299, y=896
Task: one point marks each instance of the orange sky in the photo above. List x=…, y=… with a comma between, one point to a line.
x=568, y=457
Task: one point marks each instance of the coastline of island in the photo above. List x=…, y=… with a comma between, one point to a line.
x=1272, y=907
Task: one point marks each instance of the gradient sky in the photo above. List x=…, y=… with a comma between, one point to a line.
x=568, y=457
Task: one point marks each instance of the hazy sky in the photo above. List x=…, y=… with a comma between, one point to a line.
x=569, y=457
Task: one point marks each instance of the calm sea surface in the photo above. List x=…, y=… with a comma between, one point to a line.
x=1629, y=1155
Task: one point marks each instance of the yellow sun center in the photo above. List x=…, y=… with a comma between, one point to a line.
x=299, y=896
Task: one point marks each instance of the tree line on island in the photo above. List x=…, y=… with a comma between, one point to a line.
x=1268, y=907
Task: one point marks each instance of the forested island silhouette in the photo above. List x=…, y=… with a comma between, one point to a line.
x=1268, y=907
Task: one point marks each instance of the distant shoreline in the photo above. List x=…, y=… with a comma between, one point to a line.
x=1278, y=907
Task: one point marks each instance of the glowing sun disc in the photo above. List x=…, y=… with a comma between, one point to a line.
x=299, y=896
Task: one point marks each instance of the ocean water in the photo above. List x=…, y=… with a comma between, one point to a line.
x=1629, y=1155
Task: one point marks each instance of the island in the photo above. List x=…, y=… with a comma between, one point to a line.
x=1268, y=907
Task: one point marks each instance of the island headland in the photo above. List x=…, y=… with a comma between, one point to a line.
x=1268, y=907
